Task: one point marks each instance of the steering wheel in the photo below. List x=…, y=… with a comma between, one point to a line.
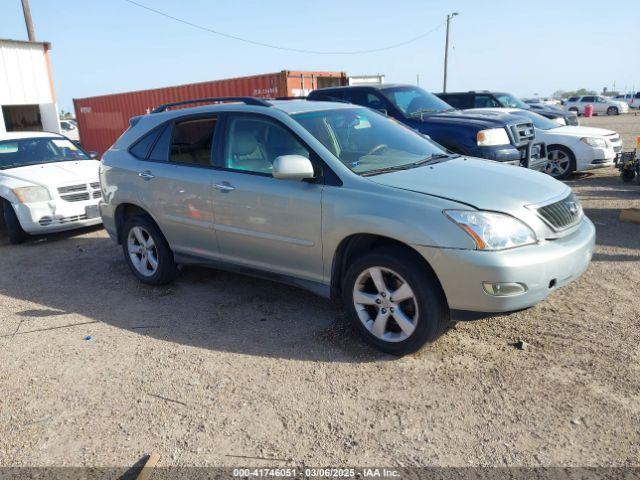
x=377, y=148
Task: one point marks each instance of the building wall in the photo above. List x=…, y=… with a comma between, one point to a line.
x=25, y=79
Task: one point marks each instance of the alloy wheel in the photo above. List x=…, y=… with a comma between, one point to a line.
x=386, y=304
x=558, y=163
x=142, y=251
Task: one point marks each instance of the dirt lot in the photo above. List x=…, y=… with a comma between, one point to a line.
x=219, y=366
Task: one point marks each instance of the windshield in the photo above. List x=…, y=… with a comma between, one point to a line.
x=509, y=101
x=367, y=142
x=35, y=151
x=415, y=101
x=538, y=120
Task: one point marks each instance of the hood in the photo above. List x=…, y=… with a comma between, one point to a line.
x=483, y=184
x=583, y=131
x=482, y=119
x=541, y=107
x=59, y=173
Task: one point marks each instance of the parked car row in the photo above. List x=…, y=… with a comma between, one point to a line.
x=361, y=204
x=541, y=136
x=503, y=138
x=631, y=99
x=487, y=99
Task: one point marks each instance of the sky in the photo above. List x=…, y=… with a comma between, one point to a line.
x=526, y=48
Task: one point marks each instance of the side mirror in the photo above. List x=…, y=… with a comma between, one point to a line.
x=93, y=155
x=292, y=167
x=383, y=111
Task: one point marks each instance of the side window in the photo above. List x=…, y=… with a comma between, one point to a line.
x=253, y=144
x=191, y=142
x=588, y=99
x=140, y=149
x=485, y=101
x=573, y=99
x=460, y=102
x=365, y=98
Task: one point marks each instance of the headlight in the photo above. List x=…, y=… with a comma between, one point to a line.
x=492, y=231
x=492, y=137
x=594, y=142
x=32, y=194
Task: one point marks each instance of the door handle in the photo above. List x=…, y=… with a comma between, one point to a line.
x=147, y=175
x=224, y=187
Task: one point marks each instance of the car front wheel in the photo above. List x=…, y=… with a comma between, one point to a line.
x=394, y=301
x=11, y=223
x=560, y=162
x=147, y=252
x=612, y=111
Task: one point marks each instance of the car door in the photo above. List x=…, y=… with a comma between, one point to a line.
x=175, y=185
x=263, y=222
x=588, y=100
x=600, y=105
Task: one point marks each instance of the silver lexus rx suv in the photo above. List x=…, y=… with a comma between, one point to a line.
x=345, y=202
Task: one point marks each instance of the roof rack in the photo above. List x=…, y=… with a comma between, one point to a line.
x=246, y=100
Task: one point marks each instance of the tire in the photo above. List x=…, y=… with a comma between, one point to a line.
x=627, y=175
x=12, y=225
x=613, y=111
x=561, y=162
x=424, y=314
x=147, y=252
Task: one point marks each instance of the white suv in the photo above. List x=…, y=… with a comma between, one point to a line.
x=601, y=105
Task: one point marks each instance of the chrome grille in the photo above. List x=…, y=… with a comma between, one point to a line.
x=97, y=194
x=572, y=120
x=563, y=214
x=45, y=221
x=95, y=185
x=72, y=188
x=522, y=133
x=76, y=197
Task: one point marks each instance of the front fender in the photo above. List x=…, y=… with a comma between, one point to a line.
x=407, y=217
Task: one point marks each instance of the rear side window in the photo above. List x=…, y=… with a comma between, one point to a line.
x=141, y=148
x=191, y=142
x=366, y=99
x=458, y=101
x=573, y=99
x=588, y=99
x=485, y=101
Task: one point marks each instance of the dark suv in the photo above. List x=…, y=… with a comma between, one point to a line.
x=503, y=138
x=487, y=99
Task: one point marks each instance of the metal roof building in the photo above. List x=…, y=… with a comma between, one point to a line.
x=27, y=96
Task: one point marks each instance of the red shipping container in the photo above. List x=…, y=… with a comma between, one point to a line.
x=101, y=120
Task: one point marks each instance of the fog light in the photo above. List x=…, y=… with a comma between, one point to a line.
x=504, y=289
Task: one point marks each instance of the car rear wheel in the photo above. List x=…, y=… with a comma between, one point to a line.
x=394, y=301
x=612, y=111
x=11, y=224
x=147, y=252
x=560, y=162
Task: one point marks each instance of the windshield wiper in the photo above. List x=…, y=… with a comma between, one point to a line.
x=435, y=158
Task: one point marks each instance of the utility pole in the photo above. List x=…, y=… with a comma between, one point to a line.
x=446, y=50
x=28, y=21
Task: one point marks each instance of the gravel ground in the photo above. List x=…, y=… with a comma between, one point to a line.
x=221, y=366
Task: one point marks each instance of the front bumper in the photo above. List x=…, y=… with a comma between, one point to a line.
x=589, y=158
x=57, y=216
x=542, y=268
x=502, y=153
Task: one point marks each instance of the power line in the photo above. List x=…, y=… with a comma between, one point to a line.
x=279, y=47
